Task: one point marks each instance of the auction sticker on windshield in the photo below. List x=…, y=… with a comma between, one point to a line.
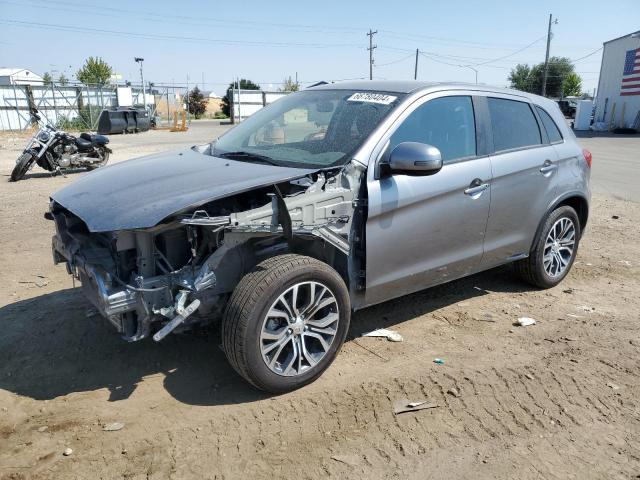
x=381, y=98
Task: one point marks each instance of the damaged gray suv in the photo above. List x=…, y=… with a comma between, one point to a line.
x=327, y=201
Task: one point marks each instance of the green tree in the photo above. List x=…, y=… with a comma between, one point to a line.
x=197, y=103
x=520, y=77
x=95, y=71
x=63, y=80
x=289, y=85
x=572, y=85
x=226, y=100
x=559, y=69
x=46, y=78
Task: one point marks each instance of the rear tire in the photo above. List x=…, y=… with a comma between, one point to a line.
x=554, y=250
x=285, y=322
x=22, y=167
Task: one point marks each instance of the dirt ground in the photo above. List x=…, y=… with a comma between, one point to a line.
x=559, y=399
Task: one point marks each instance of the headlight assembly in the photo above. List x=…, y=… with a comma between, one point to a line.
x=44, y=136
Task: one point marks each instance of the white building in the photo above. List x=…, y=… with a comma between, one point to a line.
x=19, y=76
x=618, y=97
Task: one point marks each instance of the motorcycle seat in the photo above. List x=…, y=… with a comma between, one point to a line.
x=86, y=140
x=83, y=143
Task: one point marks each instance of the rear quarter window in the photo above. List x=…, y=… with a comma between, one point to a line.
x=553, y=132
x=513, y=123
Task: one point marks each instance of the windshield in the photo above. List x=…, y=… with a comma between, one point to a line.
x=309, y=129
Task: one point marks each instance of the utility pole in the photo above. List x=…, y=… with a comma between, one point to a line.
x=546, y=58
x=415, y=73
x=370, y=34
x=144, y=94
x=239, y=102
x=187, y=99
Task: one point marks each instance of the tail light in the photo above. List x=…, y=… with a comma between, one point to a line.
x=587, y=156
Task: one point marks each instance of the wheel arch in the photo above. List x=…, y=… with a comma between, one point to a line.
x=576, y=200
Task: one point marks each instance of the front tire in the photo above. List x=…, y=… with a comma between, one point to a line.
x=554, y=250
x=285, y=322
x=22, y=167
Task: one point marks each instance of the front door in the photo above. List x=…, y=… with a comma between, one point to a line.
x=425, y=230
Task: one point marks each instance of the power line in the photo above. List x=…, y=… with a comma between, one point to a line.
x=439, y=61
x=586, y=56
x=509, y=55
x=82, y=8
x=453, y=41
x=153, y=36
x=75, y=7
x=394, y=61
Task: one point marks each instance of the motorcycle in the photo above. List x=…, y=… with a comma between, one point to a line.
x=56, y=150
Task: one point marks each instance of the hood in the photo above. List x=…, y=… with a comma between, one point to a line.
x=141, y=193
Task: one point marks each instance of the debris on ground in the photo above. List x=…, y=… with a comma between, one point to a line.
x=33, y=282
x=439, y=361
x=67, y=452
x=404, y=405
x=529, y=376
x=390, y=335
x=352, y=460
x=487, y=317
x=43, y=429
x=113, y=427
x=567, y=290
x=613, y=386
x=525, y=321
x=453, y=391
x=615, y=217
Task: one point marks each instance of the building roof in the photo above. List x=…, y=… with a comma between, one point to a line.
x=623, y=36
x=8, y=72
x=5, y=72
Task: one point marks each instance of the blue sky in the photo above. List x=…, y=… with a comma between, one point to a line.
x=268, y=41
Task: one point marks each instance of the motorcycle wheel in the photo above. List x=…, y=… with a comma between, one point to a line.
x=22, y=167
x=103, y=153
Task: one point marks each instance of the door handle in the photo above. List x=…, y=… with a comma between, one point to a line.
x=547, y=167
x=476, y=187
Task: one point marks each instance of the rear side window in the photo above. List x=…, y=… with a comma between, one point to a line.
x=549, y=125
x=446, y=123
x=513, y=124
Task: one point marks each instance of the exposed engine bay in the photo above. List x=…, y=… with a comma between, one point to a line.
x=181, y=272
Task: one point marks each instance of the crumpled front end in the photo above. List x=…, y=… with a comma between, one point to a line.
x=123, y=276
x=182, y=271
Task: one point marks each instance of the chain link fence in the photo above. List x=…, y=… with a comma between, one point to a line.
x=78, y=106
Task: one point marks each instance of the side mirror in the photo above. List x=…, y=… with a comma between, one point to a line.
x=415, y=158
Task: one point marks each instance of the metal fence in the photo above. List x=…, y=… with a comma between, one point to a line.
x=247, y=102
x=78, y=105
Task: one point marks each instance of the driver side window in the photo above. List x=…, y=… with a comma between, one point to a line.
x=446, y=123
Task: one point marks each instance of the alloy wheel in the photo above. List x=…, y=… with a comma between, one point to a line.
x=299, y=328
x=559, y=247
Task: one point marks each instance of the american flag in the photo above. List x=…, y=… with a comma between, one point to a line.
x=631, y=73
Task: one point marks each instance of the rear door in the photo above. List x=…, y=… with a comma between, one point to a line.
x=425, y=230
x=524, y=169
